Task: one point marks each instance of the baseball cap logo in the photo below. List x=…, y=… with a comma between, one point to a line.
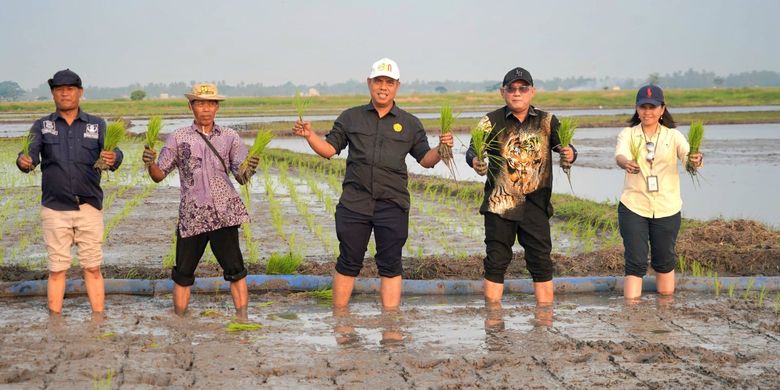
x=385, y=67
x=649, y=92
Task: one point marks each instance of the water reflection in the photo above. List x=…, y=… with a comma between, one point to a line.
x=738, y=161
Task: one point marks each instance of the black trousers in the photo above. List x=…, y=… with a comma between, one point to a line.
x=224, y=244
x=637, y=231
x=390, y=224
x=533, y=234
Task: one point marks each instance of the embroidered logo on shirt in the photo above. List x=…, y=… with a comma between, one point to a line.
x=397, y=127
x=92, y=131
x=48, y=128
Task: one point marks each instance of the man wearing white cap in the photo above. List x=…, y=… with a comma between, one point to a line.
x=375, y=195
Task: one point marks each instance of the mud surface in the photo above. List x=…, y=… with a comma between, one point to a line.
x=583, y=341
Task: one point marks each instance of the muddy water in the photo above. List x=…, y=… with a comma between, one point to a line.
x=583, y=341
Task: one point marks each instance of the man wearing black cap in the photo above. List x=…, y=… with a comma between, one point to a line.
x=520, y=139
x=67, y=143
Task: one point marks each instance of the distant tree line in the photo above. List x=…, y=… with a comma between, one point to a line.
x=10, y=90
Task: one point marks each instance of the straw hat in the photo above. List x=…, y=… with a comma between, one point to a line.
x=204, y=91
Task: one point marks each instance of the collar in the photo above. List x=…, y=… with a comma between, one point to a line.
x=370, y=107
x=82, y=115
x=508, y=113
x=216, y=130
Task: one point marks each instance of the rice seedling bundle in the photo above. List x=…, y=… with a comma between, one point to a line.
x=445, y=151
x=566, y=131
x=153, y=131
x=636, y=149
x=695, y=137
x=285, y=264
x=26, y=141
x=300, y=103
x=482, y=140
x=322, y=294
x=235, y=327
x=262, y=139
x=115, y=133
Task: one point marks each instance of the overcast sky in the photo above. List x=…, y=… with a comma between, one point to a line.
x=115, y=43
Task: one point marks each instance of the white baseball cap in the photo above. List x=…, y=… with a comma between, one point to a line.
x=385, y=67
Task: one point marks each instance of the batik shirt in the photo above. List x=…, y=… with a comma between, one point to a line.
x=208, y=199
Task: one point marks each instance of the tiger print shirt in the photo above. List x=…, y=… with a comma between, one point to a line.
x=519, y=162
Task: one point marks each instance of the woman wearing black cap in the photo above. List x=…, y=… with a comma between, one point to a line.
x=649, y=209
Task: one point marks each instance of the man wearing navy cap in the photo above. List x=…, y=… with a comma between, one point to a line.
x=67, y=143
x=516, y=204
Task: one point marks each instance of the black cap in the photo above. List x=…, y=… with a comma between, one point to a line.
x=650, y=94
x=65, y=77
x=518, y=74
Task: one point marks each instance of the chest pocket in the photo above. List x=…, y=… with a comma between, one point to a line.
x=395, y=147
x=89, y=151
x=361, y=144
x=51, y=144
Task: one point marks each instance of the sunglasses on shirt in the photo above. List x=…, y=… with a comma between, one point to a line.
x=650, y=151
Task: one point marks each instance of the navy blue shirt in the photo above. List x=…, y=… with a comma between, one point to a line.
x=67, y=154
x=376, y=163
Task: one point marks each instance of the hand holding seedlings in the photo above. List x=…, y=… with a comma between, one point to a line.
x=302, y=129
x=149, y=156
x=480, y=166
x=446, y=139
x=25, y=163
x=108, y=157
x=631, y=166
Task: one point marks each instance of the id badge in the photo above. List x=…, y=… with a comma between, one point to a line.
x=652, y=184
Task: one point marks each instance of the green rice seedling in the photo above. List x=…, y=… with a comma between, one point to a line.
x=484, y=138
x=777, y=303
x=762, y=295
x=445, y=151
x=283, y=264
x=717, y=285
x=566, y=132
x=209, y=313
x=262, y=139
x=301, y=103
x=104, y=383
x=115, y=133
x=695, y=137
x=235, y=327
x=636, y=149
x=26, y=142
x=731, y=290
x=323, y=295
x=153, y=131
x=681, y=263
x=746, y=295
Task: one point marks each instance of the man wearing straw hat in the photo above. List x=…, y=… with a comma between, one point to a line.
x=211, y=210
x=375, y=195
x=66, y=144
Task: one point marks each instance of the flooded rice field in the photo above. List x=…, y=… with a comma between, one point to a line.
x=692, y=341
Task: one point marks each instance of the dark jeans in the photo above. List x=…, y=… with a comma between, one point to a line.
x=224, y=245
x=533, y=234
x=637, y=231
x=390, y=224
